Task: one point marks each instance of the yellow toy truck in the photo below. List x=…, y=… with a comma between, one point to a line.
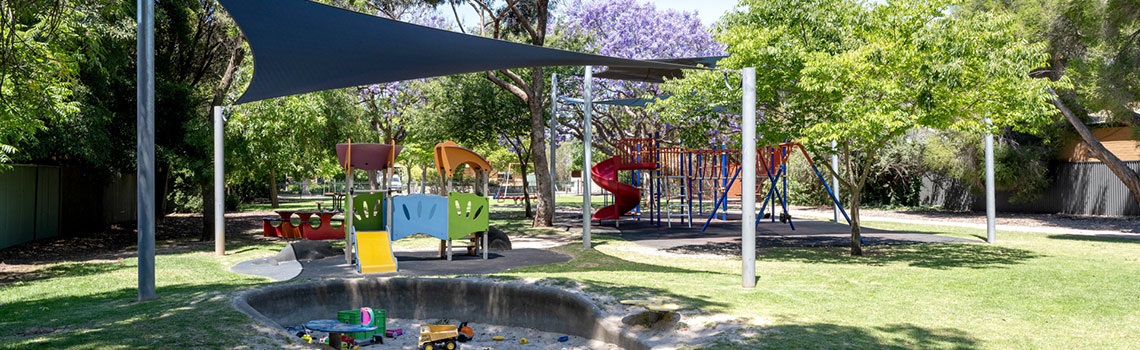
x=438, y=337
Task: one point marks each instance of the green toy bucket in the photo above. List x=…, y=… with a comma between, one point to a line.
x=379, y=319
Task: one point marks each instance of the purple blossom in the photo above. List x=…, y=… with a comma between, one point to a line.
x=635, y=29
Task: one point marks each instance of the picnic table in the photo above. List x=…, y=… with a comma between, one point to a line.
x=338, y=200
x=335, y=328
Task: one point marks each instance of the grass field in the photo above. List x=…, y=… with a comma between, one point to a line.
x=1027, y=291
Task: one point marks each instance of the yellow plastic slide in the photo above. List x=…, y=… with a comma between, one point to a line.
x=374, y=252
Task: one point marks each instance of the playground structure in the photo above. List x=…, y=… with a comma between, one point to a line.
x=506, y=182
x=376, y=218
x=674, y=180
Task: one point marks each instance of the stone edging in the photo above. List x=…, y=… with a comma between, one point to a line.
x=543, y=308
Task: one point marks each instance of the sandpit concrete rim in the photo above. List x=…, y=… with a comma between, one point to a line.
x=508, y=304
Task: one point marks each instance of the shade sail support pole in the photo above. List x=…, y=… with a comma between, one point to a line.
x=145, y=157
x=219, y=183
x=587, y=145
x=748, y=160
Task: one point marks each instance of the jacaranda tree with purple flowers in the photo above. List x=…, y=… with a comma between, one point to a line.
x=630, y=29
x=388, y=108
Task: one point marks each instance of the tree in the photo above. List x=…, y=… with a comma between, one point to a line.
x=1095, y=46
x=477, y=113
x=528, y=20
x=636, y=30
x=862, y=75
x=38, y=69
x=294, y=136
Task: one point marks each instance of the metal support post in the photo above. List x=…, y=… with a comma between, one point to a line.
x=553, y=136
x=991, y=225
x=748, y=158
x=587, y=161
x=219, y=183
x=145, y=157
x=835, y=180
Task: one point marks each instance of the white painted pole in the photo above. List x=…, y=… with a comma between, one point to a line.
x=219, y=183
x=553, y=137
x=350, y=232
x=587, y=161
x=748, y=158
x=145, y=133
x=835, y=181
x=991, y=224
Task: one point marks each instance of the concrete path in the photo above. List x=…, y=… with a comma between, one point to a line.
x=316, y=259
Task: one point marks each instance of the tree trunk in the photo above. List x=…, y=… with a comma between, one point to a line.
x=423, y=179
x=273, y=201
x=526, y=191
x=206, y=189
x=1126, y=175
x=544, y=216
x=853, y=210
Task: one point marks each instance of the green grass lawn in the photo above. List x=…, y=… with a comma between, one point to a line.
x=1027, y=291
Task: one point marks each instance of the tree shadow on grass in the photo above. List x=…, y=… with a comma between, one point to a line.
x=184, y=316
x=1123, y=238
x=70, y=269
x=938, y=256
x=830, y=336
x=926, y=255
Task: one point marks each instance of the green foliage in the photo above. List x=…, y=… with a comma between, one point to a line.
x=476, y=113
x=294, y=136
x=1095, y=45
x=1021, y=161
x=39, y=64
x=863, y=75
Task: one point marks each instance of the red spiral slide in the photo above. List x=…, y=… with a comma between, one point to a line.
x=626, y=197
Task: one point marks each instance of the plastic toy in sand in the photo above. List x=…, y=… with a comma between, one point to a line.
x=465, y=333
x=436, y=337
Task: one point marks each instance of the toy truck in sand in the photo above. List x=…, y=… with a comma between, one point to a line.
x=438, y=337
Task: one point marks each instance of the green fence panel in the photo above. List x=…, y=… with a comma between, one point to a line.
x=369, y=208
x=466, y=214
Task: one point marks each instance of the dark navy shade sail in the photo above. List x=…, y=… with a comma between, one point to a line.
x=658, y=74
x=300, y=46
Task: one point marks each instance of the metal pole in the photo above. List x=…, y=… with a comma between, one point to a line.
x=553, y=136
x=990, y=209
x=587, y=177
x=145, y=134
x=219, y=183
x=748, y=185
x=835, y=180
x=349, y=214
